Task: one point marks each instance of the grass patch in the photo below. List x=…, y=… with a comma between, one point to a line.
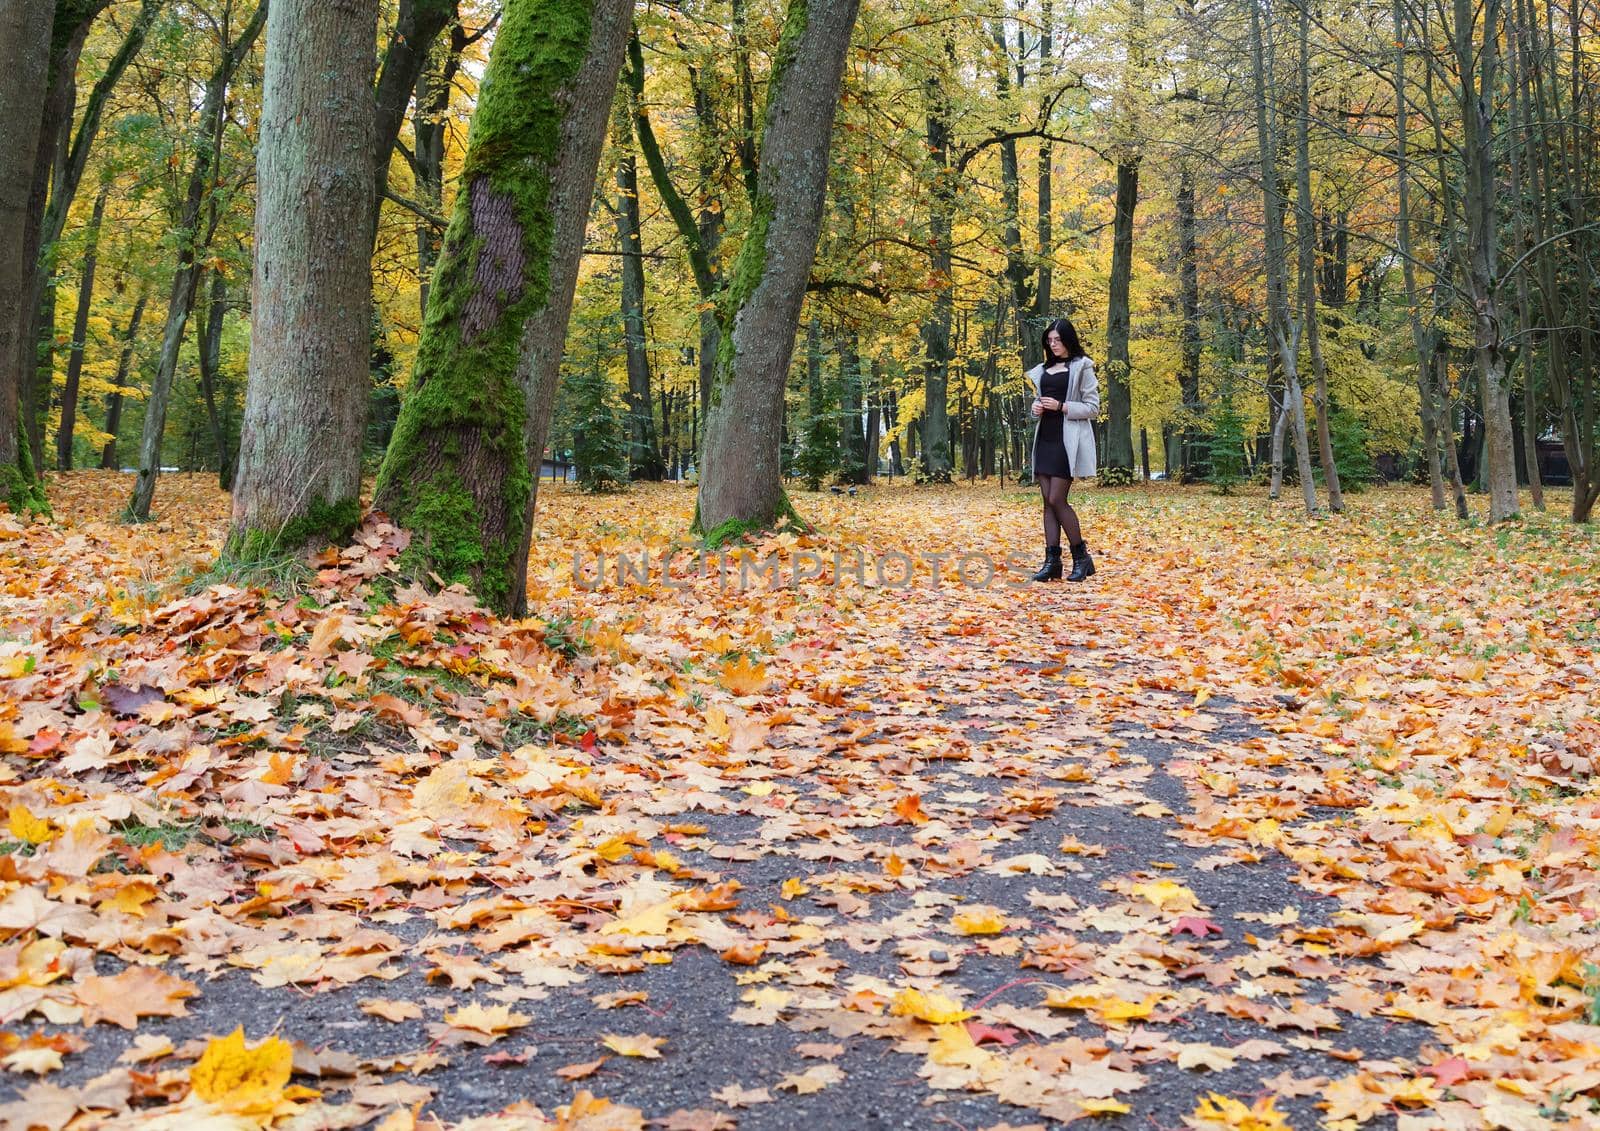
x=179, y=834
x=284, y=575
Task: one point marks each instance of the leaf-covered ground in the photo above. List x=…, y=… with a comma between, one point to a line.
x=1271, y=824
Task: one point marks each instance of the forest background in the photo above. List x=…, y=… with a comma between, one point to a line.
x=1390, y=205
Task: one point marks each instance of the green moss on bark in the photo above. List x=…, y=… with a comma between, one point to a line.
x=456, y=472
x=20, y=488
x=323, y=523
x=733, y=529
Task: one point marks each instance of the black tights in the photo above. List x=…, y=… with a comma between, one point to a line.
x=1058, y=513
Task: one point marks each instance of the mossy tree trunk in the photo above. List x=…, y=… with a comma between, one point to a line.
x=741, y=481
x=461, y=469
x=185, y=279
x=24, y=52
x=299, y=476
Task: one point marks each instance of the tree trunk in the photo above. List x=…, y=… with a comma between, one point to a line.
x=1119, y=397
x=853, y=441
x=1477, y=60
x=416, y=26
x=428, y=133
x=80, y=333
x=741, y=483
x=1446, y=428
x=210, y=372
x=24, y=57
x=1189, y=302
x=1305, y=227
x=644, y=454
x=36, y=313
x=461, y=469
x=186, y=278
x=299, y=478
x=1032, y=344
x=1281, y=329
x=936, y=465
x=1426, y=409
x=62, y=167
x=108, y=456
x=1521, y=128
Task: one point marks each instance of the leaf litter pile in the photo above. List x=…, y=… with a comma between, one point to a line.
x=1268, y=825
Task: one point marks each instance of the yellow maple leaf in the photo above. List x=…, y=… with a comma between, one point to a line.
x=979, y=921
x=28, y=828
x=793, y=888
x=240, y=1078
x=640, y=1045
x=446, y=790
x=1219, y=1111
x=1165, y=895
x=490, y=1020
x=1116, y=1009
x=936, y=1009
x=743, y=676
x=1103, y=1107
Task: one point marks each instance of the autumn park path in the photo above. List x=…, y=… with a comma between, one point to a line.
x=1150, y=852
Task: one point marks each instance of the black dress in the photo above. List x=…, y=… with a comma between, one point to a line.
x=1049, y=451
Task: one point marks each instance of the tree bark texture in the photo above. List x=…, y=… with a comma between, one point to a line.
x=186, y=277
x=24, y=56
x=461, y=469
x=299, y=477
x=741, y=482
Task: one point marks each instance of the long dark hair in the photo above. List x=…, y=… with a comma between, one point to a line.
x=1069, y=339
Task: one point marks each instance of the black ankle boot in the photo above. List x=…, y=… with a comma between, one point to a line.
x=1051, y=570
x=1082, y=563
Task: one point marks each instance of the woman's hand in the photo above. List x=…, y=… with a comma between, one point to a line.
x=1049, y=404
x=1038, y=406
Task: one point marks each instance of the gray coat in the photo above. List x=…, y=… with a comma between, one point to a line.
x=1081, y=406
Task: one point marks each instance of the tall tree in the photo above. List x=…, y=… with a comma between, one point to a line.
x=211, y=319
x=1305, y=230
x=64, y=154
x=186, y=277
x=24, y=57
x=130, y=337
x=80, y=332
x=1282, y=327
x=417, y=24
x=1128, y=156
x=644, y=454
x=935, y=450
x=299, y=473
x=461, y=469
x=741, y=481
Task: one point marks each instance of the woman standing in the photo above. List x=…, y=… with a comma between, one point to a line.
x=1066, y=400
